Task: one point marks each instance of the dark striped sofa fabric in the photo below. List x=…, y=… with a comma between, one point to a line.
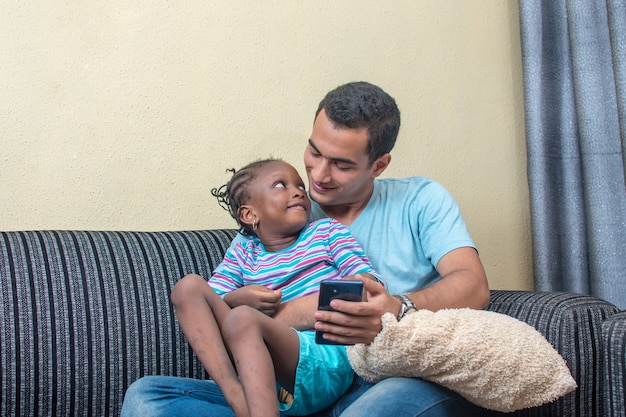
x=572, y=323
x=84, y=314
x=614, y=341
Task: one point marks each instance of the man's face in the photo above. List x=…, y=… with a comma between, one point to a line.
x=337, y=164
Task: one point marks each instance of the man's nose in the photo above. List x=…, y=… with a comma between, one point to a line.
x=321, y=171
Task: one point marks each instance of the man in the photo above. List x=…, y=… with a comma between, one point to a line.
x=412, y=231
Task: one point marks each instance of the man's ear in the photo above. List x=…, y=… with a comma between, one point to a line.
x=381, y=164
x=247, y=215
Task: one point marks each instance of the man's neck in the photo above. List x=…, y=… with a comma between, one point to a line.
x=346, y=214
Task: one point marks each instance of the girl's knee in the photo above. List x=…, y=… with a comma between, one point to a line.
x=189, y=286
x=240, y=321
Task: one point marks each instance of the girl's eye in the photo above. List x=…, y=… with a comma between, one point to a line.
x=301, y=187
x=279, y=184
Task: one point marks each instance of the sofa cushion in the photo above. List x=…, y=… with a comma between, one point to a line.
x=84, y=314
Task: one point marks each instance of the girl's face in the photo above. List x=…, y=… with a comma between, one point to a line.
x=279, y=202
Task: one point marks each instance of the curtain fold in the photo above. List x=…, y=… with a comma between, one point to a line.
x=574, y=69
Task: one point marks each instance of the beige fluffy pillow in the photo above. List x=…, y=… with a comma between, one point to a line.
x=491, y=359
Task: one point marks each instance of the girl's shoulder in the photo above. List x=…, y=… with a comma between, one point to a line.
x=325, y=225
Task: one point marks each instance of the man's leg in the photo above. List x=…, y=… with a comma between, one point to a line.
x=410, y=397
x=358, y=388
x=160, y=396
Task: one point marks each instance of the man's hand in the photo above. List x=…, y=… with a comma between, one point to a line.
x=257, y=297
x=357, y=322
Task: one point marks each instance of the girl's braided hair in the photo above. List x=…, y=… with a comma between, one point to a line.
x=236, y=192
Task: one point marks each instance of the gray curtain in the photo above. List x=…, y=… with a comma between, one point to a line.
x=574, y=67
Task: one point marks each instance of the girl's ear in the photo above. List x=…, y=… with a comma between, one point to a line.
x=247, y=215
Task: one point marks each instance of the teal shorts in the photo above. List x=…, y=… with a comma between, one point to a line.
x=322, y=376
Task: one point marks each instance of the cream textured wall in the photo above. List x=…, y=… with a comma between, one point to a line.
x=122, y=115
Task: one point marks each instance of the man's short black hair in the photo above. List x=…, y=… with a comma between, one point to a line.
x=361, y=104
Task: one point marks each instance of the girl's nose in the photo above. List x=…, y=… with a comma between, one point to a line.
x=298, y=192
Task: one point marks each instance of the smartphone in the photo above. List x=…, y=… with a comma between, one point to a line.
x=343, y=289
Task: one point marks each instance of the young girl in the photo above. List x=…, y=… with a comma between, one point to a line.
x=245, y=350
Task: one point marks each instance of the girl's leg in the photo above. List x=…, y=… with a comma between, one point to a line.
x=200, y=310
x=265, y=350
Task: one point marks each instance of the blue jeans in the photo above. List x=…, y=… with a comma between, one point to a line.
x=160, y=396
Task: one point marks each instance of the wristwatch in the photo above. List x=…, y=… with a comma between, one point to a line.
x=407, y=305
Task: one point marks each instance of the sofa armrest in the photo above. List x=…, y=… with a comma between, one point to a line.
x=614, y=342
x=572, y=323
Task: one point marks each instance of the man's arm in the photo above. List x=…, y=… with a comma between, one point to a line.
x=463, y=284
x=298, y=313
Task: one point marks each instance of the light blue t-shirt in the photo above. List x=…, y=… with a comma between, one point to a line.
x=408, y=225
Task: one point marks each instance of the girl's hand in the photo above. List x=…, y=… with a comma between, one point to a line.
x=257, y=297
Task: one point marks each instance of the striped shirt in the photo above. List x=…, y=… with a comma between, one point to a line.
x=325, y=249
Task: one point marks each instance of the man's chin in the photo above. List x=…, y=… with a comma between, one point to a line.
x=324, y=199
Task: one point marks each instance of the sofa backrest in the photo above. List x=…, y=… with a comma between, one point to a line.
x=84, y=314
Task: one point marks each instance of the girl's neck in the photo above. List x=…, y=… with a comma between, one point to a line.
x=278, y=243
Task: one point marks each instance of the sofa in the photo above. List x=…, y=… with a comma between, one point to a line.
x=83, y=314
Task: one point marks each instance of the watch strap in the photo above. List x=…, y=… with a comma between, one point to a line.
x=407, y=305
